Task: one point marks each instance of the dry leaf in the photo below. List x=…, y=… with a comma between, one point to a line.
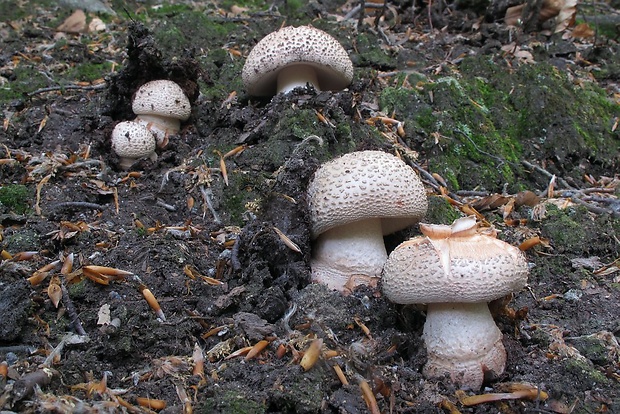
x=103, y=316
x=54, y=292
x=76, y=23
x=583, y=31
x=96, y=25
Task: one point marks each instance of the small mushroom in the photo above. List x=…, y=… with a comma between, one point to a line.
x=132, y=141
x=293, y=57
x=161, y=105
x=456, y=270
x=355, y=200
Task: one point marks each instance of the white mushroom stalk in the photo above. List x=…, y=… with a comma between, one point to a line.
x=462, y=340
x=457, y=270
x=355, y=200
x=349, y=255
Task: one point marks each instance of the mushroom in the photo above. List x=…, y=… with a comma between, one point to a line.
x=293, y=57
x=131, y=141
x=456, y=270
x=355, y=200
x=161, y=105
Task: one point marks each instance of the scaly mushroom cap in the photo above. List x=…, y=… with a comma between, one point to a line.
x=457, y=263
x=131, y=140
x=162, y=98
x=362, y=185
x=296, y=45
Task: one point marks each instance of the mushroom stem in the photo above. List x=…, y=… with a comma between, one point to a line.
x=126, y=162
x=462, y=340
x=160, y=126
x=349, y=255
x=296, y=76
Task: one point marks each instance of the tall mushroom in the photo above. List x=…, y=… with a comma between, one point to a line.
x=161, y=105
x=295, y=56
x=132, y=141
x=456, y=270
x=355, y=200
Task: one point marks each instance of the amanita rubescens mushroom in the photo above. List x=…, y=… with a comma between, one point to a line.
x=293, y=57
x=161, y=105
x=456, y=270
x=355, y=200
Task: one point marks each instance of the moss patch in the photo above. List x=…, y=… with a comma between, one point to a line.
x=15, y=198
x=476, y=125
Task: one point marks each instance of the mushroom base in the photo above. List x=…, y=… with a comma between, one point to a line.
x=349, y=256
x=126, y=163
x=463, y=341
x=160, y=126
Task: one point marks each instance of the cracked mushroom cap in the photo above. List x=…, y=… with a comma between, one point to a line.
x=161, y=98
x=132, y=140
x=363, y=185
x=457, y=263
x=296, y=45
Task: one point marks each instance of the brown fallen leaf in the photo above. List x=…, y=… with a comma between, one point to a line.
x=76, y=23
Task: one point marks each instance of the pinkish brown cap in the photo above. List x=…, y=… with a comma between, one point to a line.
x=457, y=263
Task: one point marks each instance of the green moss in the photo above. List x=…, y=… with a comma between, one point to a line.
x=585, y=372
x=232, y=402
x=565, y=228
x=187, y=29
x=481, y=122
x=77, y=290
x=592, y=348
x=15, y=197
x=10, y=10
x=168, y=10
x=440, y=211
x=88, y=72
x=26, y=79
x=371, y=54
x=22, y=241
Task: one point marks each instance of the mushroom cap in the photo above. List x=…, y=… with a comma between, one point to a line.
x=457, y=263
x=162, y=98
x=296, y=45
x=132, y=140
x=363, y=185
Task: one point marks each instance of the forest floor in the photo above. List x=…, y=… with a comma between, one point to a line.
x=519, y=128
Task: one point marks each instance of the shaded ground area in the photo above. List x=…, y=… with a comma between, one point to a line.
x=519, y=128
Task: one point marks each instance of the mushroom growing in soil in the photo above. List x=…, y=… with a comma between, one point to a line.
x=293, y=57
x=161, y=105
x=355, y=200
x=456, y=270
x=132, y=141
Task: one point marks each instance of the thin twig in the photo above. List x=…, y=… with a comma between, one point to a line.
x=75, y=319
x=60, y=88
x=547, y=174
x=77, y=205
x=430, y=180
x=76, y=165
x=207, y=196
x=595, y=209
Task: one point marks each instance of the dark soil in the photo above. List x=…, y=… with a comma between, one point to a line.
x=491, y=126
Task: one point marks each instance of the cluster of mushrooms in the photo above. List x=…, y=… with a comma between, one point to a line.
x=160, y=106
x=355, y=200
x=358, y=198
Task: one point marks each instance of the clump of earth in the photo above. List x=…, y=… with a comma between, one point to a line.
x=525, y=135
